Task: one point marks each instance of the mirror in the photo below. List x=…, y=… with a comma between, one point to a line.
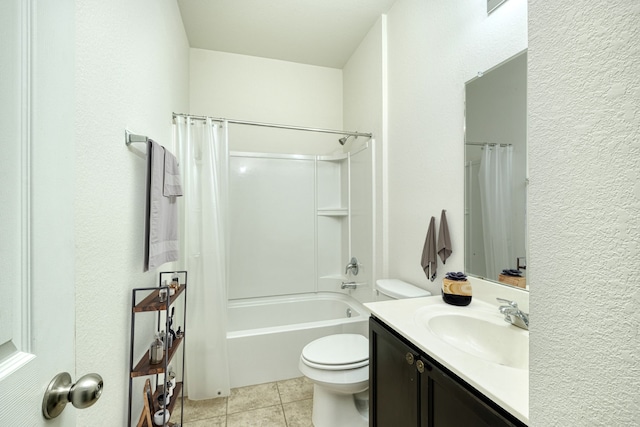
x=493, y=5
x=496, y=173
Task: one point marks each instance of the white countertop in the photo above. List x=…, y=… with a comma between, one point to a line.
x=506, y=386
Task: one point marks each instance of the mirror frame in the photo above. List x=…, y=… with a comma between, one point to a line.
x=493, y=5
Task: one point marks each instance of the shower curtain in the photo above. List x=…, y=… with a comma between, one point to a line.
x=203, y=156
x=496, y=204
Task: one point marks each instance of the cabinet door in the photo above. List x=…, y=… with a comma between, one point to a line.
x=446, y=403
x=394, y=381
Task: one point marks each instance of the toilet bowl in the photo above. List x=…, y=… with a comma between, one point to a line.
x=338, y=366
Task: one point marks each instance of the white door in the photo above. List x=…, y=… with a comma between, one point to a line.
x=37, y=310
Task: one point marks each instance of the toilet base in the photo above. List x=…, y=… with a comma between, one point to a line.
x=331, y=409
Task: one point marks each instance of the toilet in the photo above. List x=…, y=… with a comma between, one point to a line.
x=338, y=366
x=389, y=289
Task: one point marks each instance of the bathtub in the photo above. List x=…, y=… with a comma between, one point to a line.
x=266, y=335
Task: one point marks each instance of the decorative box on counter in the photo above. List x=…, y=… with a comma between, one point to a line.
x=513, y=278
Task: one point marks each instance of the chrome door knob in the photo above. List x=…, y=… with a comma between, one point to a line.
x=84, y=393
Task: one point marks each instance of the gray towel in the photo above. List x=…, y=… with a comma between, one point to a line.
x=172, y=182
x=444, y=241
x=429, y=261
x=161, y=225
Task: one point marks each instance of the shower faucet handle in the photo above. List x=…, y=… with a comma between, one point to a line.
x=353, y=266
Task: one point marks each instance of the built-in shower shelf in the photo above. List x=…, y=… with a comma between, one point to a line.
x=333, y=212
x=333, y=157
x=334, y=277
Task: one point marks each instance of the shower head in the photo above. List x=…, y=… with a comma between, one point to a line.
x=344, y=139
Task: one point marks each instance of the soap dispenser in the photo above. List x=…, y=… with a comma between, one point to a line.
x=156, y=350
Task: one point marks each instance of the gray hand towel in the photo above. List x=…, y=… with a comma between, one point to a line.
x=444, y=241
x=429, y=261
x=172, y=182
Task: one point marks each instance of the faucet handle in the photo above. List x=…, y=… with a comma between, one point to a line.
x=353, y=266
x=508, y=302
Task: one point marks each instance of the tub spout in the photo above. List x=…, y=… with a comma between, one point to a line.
x=348, y=285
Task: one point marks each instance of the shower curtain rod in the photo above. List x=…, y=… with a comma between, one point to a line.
x=493, y=144
x=273, y=125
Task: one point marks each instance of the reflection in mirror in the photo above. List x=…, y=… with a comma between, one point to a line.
x=496, y=173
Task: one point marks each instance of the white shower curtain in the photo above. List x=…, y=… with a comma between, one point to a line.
x=495, y=176
x=203, y=156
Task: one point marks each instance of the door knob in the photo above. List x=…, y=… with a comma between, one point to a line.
x=84, y=393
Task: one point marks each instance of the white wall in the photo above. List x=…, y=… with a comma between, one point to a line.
x=271, y=226
x=364, y=92
x=433, y=49
x=131, y=71
x=584, y=152
x=269, y=91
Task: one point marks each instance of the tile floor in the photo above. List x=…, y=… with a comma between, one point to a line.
x=279, y=404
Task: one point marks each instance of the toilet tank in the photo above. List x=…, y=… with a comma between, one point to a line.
x=388, y=289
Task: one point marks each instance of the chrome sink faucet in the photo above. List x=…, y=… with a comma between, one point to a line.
x=513, y=315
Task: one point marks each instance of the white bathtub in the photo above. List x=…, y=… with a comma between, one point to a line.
x=266, y=335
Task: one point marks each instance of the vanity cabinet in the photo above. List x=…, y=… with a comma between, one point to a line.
x=409, y=388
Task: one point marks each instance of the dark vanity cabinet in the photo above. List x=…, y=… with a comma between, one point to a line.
x=408, y=388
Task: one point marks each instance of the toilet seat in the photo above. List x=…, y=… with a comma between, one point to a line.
x=337, y=352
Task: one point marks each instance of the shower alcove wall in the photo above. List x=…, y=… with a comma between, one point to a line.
x=296, y=221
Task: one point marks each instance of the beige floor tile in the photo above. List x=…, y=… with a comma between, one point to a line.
x=298, y=413
x=295, y=389
x=253, y=397
x=195, y=410
x=211, y=422
x=272, y=416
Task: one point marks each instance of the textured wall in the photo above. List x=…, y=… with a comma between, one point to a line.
x=584, y=212
x=131, y=71
x=433, y=49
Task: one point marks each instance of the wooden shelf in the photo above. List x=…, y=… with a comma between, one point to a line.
x=144, y=367
x=177, y=394
x=152, y=301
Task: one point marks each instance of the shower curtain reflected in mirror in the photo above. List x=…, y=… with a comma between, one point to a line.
x=495, y=177
x=202, y=150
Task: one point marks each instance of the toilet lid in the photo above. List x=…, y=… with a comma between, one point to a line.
x=399, y=289
x=340, y=349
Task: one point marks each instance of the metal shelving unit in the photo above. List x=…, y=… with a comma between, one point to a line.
x=147, y=300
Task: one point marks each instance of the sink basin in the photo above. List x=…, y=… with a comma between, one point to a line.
x=481, y=334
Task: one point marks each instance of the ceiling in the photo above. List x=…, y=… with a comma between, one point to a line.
x=315, y=32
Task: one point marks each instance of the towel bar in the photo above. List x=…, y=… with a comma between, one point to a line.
x=132, y=138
